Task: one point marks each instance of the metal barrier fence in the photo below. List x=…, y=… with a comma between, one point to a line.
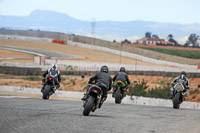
x=13, y=70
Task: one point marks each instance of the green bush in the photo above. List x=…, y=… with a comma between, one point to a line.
x=159, y=92
x=140, y=89
x=34, y=78
x=63, y=78
x=73, y=81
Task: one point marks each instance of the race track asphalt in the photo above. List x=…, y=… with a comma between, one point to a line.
x=29, y=115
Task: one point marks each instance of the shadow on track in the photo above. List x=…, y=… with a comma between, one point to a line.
x=100, y=116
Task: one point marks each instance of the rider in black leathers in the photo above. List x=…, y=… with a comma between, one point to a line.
x=121, y=76
x=103, y=80
x=182, y=77
x=55, y=73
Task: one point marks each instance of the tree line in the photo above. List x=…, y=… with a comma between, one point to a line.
x=192, y=41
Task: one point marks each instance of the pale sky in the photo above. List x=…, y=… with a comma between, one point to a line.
x=174, y=11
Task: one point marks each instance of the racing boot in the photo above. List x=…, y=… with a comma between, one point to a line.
x=172, y=93
x=113, y=94
x=43, y=84
x=57, y=86
x=102, y=101
x=84, y=97
x=85, y=94
x=42, y=88
x=124, y=94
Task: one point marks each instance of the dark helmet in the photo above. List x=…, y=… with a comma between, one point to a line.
x=183, y=73
x=122, y=69
x=104, y=69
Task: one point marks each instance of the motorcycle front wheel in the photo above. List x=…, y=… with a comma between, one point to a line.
x=46, y=92
x=176, y=101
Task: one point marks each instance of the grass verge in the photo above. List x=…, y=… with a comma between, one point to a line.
x=182, y=53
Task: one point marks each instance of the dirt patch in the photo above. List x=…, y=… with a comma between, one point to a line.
x=23, y=57
x=17, y=60
x=90, y=55
x=9, y=53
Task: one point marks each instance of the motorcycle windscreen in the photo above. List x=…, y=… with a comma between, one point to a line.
x=179, y=87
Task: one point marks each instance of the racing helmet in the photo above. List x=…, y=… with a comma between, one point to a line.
x=122, y=69
x=54, y=66
x=183, y=73
x=104, y=69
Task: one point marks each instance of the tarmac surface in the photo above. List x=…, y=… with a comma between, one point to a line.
x=22, y=114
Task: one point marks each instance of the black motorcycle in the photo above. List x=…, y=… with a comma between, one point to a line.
x=94, y=99
x=119, y=92
x=179, y=94
x=49, y=87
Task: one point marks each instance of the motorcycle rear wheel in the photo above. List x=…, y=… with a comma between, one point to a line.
x=118, y=97
x=88, y=106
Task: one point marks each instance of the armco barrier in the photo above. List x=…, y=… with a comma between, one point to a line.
x=14, y=70
x=38, y=71
x=20, y=70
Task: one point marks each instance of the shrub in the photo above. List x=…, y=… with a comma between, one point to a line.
x=34, y=78
x=140, y=89
x=159, y=92
x=63, y=78
x=73, y=82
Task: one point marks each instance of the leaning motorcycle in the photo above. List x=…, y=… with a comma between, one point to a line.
x=93, y=100
x=179, y=94
x=49, y=87
x=120, y=92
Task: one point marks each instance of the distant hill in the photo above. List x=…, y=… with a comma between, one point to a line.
x=54, y=21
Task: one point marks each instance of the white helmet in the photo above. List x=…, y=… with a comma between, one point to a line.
x=54, y=66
